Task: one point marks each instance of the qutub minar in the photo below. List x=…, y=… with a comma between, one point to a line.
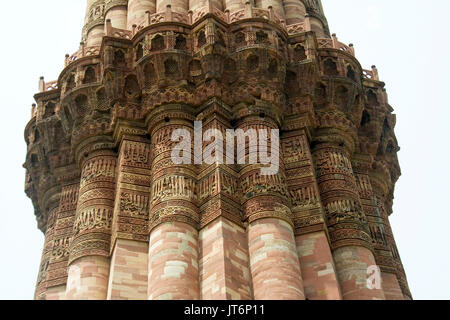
x=123, y=221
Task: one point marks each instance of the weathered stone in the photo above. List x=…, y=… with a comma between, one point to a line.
x=123, y=220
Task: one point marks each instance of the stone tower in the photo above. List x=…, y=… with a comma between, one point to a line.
x=122, y=220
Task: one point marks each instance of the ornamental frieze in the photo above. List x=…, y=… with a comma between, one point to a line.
x=134, y=204
x=92, y=219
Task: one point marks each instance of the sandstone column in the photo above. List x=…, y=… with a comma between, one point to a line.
x=178, y=6
x=137, y=10
x=377, y=182
x=93, y=30
x=277, y=6
x=57, y=269
x=316, y=261
x=295, y=11
x=233, y=5
x=318, y=267
x=90, y=246
x=129, y=258
x=173, y=249
x=317, y=19
x=116, y=11
x=347, y=223
x=196, y=5
x=273, y=254
x=224, y=260
x=41, y=285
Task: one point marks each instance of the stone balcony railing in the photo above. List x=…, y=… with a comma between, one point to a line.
x=336, y=44
x=247, y=13
x=83, y=52
x=371, y=74
x=47, y=86
x=190, y=18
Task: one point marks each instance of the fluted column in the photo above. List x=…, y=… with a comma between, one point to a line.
x=129, y=254
x=178, y=6
x=401, y=275
x=277, y=6
x=317, y=26
x=233, y=5
x=116, y=11
x=41, y=285
x=316, y=261
x=65, y=215
x=196, y=5
x=274, y=260
x=90, y=246
x=317, y=18
x=347, y=224
x=173, y=249
x=224, y=259
x=295, y=11
x=93, y=30
x=137, y=10
x=388, y=258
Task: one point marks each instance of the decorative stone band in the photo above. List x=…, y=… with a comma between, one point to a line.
x=95, y=15
x=220, y=206
x=174, y=211
x=349, y=236
x=266, y=206
x=309, y=223
x=91, y=244
x=92, y=219
x=92, y=24
x=91, y=144
x=114, y=3
x=385, y=261
x=334, y=127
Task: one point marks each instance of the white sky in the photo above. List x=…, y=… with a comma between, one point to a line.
x=406, y=39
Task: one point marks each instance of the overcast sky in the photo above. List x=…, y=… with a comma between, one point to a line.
x=406, y=39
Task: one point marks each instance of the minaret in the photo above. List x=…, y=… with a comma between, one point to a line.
x=137, y=10
x=317, y=17
x=94, y=21
x=123, y=220
x=117, y=12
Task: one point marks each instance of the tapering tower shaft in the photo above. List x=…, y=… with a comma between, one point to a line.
x=138, y=199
